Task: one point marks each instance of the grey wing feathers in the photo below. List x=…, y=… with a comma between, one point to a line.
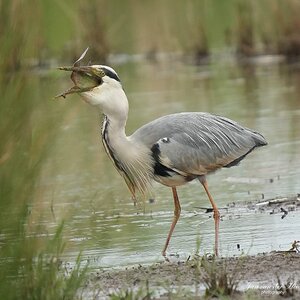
x=198, y=143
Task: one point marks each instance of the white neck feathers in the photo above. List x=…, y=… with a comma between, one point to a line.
x=133, y=161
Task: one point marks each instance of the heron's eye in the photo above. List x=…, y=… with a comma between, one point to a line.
x=85, y=80
x=99, y=73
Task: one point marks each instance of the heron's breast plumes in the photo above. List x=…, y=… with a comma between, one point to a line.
x=133, y=162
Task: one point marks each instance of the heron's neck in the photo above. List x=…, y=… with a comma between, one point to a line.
x=131, y=159
x=113, y=132
x=114, y=136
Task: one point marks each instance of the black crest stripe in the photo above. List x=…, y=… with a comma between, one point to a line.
x=111, y=74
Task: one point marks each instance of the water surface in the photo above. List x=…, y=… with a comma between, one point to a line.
x=80, y=185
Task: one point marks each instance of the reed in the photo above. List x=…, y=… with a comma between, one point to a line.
x=288, y=32
x=245, y=44
x=29, y=263
x=93, y=14
x=62, y=29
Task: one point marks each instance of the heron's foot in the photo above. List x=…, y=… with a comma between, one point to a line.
x=171, y=255
x=164, y=254
x=166, y=258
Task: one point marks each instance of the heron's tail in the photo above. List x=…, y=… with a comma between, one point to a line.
x=259, y=139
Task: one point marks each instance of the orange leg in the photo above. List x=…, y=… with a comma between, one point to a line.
x=216, y=213
x=177, y=210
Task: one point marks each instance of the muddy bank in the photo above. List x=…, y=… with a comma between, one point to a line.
x=253, y=275
x=263, y=276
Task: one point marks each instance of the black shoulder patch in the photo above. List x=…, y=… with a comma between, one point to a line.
x=159, y=168
x=111, y=74
x=162, y=170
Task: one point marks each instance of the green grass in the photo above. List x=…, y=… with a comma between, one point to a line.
x=30, y=259
x=142, y=293
x=217, y=280
x=44, y=275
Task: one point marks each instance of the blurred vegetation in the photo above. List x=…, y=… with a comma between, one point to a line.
x=30, y=256
x=34, y=32
x=62, y=29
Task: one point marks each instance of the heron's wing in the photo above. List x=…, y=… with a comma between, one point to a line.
x=197, y=143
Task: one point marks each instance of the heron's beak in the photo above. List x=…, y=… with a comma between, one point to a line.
x=85, y=78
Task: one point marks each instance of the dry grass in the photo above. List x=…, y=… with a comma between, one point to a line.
x=217, y=280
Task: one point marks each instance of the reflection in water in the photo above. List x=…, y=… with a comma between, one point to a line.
x=81, y=185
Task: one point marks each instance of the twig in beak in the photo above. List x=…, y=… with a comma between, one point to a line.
x=81, y=57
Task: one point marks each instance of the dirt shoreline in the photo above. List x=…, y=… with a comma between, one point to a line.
x=263, y=276
x=255, y=275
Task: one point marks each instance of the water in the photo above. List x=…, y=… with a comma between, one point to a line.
x=79, y=184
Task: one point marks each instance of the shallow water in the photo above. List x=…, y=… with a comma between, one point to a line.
x=80, y=185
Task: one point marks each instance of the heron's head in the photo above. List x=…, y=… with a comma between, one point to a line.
x=100, y=86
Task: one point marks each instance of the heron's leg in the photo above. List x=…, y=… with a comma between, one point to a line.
x=216, y=213
x=177, y=210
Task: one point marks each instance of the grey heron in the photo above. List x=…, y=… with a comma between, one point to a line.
x=172, y=150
